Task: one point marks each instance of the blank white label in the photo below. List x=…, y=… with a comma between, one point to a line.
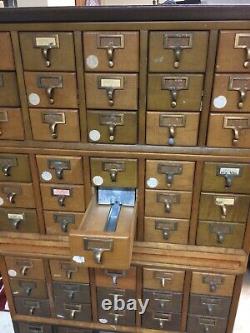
x=110, y=83
x=46, y=175
x=97, y=180
x=94, y=135
x=152, y=182
x=34, y=99
x=220, y=102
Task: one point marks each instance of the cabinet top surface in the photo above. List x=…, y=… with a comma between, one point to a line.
x=218, y=12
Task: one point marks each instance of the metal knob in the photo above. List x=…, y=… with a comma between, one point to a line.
x=177, y=56
x=242, y=99
x=223, y=211
x=97, y=253
x=169, y=179
x=46, y=56
x=212, y=287
x=6, y=170
x=72, y=314
x=167, y=207
x=165, y=234
x=32, y=311
x=24, y=270
x=228, y=181
x=220, y=238
x=53, y=130
x=247, y=61
x=236, y=136
x=171, y=138
x=173, y=93
x=110, y=93
x=28, y=291
x=59, y=173
x=50, y=94
x=113, y=175
x=110, y=53
x=61, y=200
x=111, y=129
x=15, y=223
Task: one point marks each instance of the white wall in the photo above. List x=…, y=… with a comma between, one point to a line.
x=45, y=3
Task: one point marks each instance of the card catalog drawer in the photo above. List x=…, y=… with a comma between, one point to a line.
x=11, y=124
x=32, y=307
x=14, y=168
x=209, y=305
x=72, y=311
x=64, y=270
x=71, y=292
x=61, y=222
x=19, y=220
x=6, y=51
x=28, y=288
x=163, y=302
x=116, y=278
x=161, y=321
x=9, y=95
x=198, y=324
x=25, y=268
x=17, y=195
x=33, y=328
x=167, y=280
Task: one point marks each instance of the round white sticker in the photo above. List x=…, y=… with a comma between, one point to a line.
x=78, y=259
x=92, y=61
x=34, y=99
x=12, y=273
x=97, y=180
x=46, y=175
x=103, y=321
x=152, y=182
x=94, y=135
x=220, y=102
x=1, y=201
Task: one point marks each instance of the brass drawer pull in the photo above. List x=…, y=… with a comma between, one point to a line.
x=177, y=42
x=113, y=168
x=50, y=83
x=69, y=270
x=168, y=200
x=174, y=85
x=236, y=124
x=6, y=164
x=15, y=220
x=3, y=119
x=98, y=247
x=112, y=121
x=242, y=85
x=213, y=281
x=61, y=194
x=170, y=171
x=164, y=278
x=46, y=44
x=36, y=329
x=242, y=41
x=172, y=122
x=11, y=193
x=110, y=43
x=59, y=166
x=221, y=231
x=115, y=275
x=166, y=228
x=53, y=120
x=224, y=203
x=73, y=309
x=24, y=270
x=229, y=172
x=110, y=84
x=64, y=220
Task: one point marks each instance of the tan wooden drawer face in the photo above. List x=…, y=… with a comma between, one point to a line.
x=180, y=92
x=178, y=51
x=17, y=195
x=176, y=204
x=14, y=168
x=166, y=230
x=106, y=51
x=61, y=222
x=51, y=90
x=161, y=321
x=232, y=53
x=55, y=125
x=7, y=59
x=47, y=51
x=11, y=124
x=114, y=173
x=225, y=177
x=25, y=268
x=19, y=220
x=199, y=324
x=229, y=130
x=174, y=175
x=224, y=207
x=172, y=129
x=63, y=270
x=163, y=279
x=212, y=284
x=28, y=288
x=63, y=197
x=116, y=279
x=112, y=127
x=8, y=89
x=60, y=169
x=112, y=91
x=231, y=93
x=220, y=234
x=61, y=329
x=33, y=328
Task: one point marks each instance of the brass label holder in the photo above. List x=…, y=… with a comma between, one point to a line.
x=46, y=44
x=168, y=200
x=110, y=84
x=172, y=122
x=174, y=84
x=110, y=43
x=111, y=120
x=229, y=172
x=240, y=83
x=236, y=124
x=50, y=83
x=242, y=41
x=53, y=120
x=170, y=170
x=166, y=227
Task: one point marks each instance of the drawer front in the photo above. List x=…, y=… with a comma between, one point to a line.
x=225, y=177
x=161, y=321
x=72, y=293
x=166, y=230
x=25, y=268
x=163, y=302
x=114, y=173
x=112, y=127
x=60, y=169
x=198, y=324
x=116, y=279
x=109, y=51
x=9, y=95
x=17, y=195
x=231, y=93
x=175, y=91
x=47, y=51
x=34, y=328
x=212, y=284
x=11, y=124
x=67, y=198
x=32, y=307
x=53, y=90
x=224, y=207
x=72, y=311
x=63, y=270
x=168, y=129
x=124, y=318
x=6, y=51
x=112, y=91
x=61, y=222
x=163, y=279
x=209, y=306
x=233, y=51
x=175, y=204
x=178, y=51
x=19, y=220
x=28, y=288
x=55, y=125
x=112, y=293
x=61, y=329
x=229, y=130
x=14, y=168
x=221, y=234
x=175, y=175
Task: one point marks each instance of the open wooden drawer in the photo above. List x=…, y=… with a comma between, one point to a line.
x=106, y=235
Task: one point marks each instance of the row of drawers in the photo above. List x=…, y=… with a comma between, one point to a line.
x=175, y=51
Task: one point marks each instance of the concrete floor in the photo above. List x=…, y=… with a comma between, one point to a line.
x=242, y=322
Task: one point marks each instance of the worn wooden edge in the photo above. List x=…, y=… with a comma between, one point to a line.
x=177, y=256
